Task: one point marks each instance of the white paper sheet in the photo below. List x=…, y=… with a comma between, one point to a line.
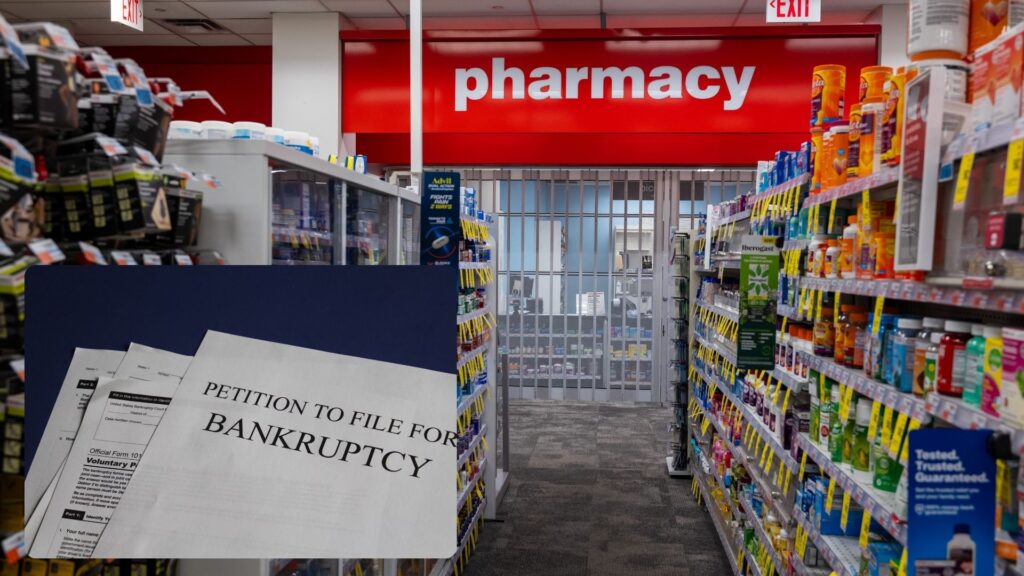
x=117, y=426
x=86, y=367
x=152, y=364
x=227, y=473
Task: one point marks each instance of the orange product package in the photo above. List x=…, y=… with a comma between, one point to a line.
x=828, y=88
x=981, y=88
x=872, y=81
x=989, y=18
x=817, y=137
x=840, y=152
x=853, y=151
x=1007, y=59
x=869, y=131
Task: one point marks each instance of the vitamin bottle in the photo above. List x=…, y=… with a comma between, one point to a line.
x=854, y=340
x=850, y=433
x=960, y=549
x=835, y=433
x=861, y=459
x=848, y=249
x=974, y=372
x=824, y=334
x=993, y=367
x=904, y=347
x=815, y=413
x=825, y=416
x=920, y=347
x=832, y=257
x=931, y=363
x=953, y=358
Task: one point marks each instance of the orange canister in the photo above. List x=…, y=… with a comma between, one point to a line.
x=817, y=135
x=989, y=18
x=853, y=151
x=840, y=132
x=828, y=87
x=869, y=134
x=892, y=127
x=872, y=81
x=826, y=159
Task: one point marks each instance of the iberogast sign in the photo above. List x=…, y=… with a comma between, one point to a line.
x=615, y=100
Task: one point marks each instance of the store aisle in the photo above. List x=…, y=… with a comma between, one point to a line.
x=590, y=497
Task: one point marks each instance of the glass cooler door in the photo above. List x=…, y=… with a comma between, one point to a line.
x=366, y=227
x=301, y=224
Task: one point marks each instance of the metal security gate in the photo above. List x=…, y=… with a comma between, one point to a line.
x=583, y=273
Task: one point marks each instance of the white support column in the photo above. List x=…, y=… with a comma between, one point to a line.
x=307, y=77
x=416, y=88
x=893, y=40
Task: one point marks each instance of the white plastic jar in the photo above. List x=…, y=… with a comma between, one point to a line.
x=275, y=135
x=298, y=140
x=217, y=130
x=249, y=131
x=938, y=28
x=956, y=75
x=185, y=130
x=314, y=144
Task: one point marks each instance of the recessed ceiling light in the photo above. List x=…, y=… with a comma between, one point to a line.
x=497, y=7
x=159, y=9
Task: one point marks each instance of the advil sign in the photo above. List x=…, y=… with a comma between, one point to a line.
x=127, y=12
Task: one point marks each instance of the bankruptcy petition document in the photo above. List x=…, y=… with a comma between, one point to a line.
x=117, y=426
x=270, y=450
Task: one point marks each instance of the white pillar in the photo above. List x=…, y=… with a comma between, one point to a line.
x=307, y=77
x=893, y=40
x=416, y=87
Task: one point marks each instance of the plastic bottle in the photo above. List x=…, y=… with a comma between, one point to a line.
x=920, y=347
x=815, y=255
x=931, y=363
x=938, y=28
x=904, y=347
x=974, y=372
x=855, y=339
x=993, y=366
x=815, y=413
x=861, y=460
x=960, y=549
x=832, y=258
x=887, y=347
x=836, y=426
x=953, y=358
x=824, y=334
x=886, y=471
x=825, y=416
x=848, y=249
x=850, y=433
x=875, y=344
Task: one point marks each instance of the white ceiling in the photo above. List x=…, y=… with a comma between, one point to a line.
x=247, y=22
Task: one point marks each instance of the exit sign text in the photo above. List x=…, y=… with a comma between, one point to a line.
x=127, y=12
x=793, y=11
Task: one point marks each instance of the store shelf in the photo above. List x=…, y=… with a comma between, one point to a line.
x=470, y=485
x=795, y=244
x=536, y=355
x=472, y=446
x=716, y=518
x=726, y=220
x=292, y=234
x=780, y=188
x=467, y=357
x=729, y=355
x=788, y=380
x=730, y=313
x=966, y=293
x=635, y=359
x=885, y=177
x=467, y=401
x=865, y=386
x=841, y=552
x=472, y=315
x=789, y=312
x=447, y=567
x=881, y=505
x=962, y=415
x=475, y=265
x=748, y=509
x=531, y=335
x=994, y=138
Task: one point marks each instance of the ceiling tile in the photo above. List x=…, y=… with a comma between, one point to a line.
x=669, y=20
x=94, y=27
x=161, y=10
x=394, y=23
x=484, y=8
x=57, y=10
x=361, y=8
x=676, y=6
x=260, y=39
x=556, y=7
x=248, y=25
x=217, y=39
x=522, y=22
x=133, y=40
x=254, y=8
x=585, y=21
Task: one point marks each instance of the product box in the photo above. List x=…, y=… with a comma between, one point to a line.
x=24, y=221
x=44, y=96
x=12, y=503
x=1012, y=405
x=185, y=209
x=1007, y=62
x=981, y=91
x=879, y=556
x=139, y=191
x=144, y=126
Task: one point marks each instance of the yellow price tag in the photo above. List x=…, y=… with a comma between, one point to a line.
x=768, y=468
x=835, y=308
x=865, y=530
x=902, y=570
x=803, y=465
x=784, y=320
x=897, y=434
x=785, y=401
x=865, y=208
x=814, y=218
x=879, y=306
x=963, y=181
x=830, y=495
x=817, y=313
x=876, y=408
x=1011, y=184
x=844, y=514
x=831, y=215
x=905, y=453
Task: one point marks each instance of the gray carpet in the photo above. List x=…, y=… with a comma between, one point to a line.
x=590, y=496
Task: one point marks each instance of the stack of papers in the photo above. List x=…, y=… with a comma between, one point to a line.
x=251, y=449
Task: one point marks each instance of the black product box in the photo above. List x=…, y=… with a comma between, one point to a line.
x=41, y=97
x=10, y=192
x=68, y=215
x=141, y=199
x=25, y=220
x=103, y=198
x=185, y=208
x=95, y=157
x=144, y=126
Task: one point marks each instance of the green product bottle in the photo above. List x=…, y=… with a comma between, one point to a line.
x=861, y=445
x=835, y=433
x=849, y=435
x=886, y=473
x=975, y=372
x=815, y=416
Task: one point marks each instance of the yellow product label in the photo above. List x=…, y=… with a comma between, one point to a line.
x=830, y=495
x=876, y=408
x=905, y=453
x=963, y=180
x=817, y=313
x=877, y=321
x=865, y=530
x=845, y=512
x=835, y=308
x=897, y=434
x=831, y=216
x=803, y=465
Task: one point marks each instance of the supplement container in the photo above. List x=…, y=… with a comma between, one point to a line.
x=185, y=130
x=904, y=346
x=1005, y=78
x=861, y=457
x=869, y=157
x=832, y=253
x=989, y=18
x=848, y=249
x=923, y=341
x=960, y=549
x=825, y=413
x=931, y=363
x=840, y=152
x=854, y=340
x=815, y=414
x=817, y=134
x=853, y=149
x=249, y=131
x=816, y=255
x=953, y=358
x=828, y=88
x=980, y=89
x=892, y=120
x=217, y=130
x=842, y=322
x=836, y=426
x=274, y=135
x=850, y=432
x=974, y=373
x=298, y=140
x=872, y=81
x=938, y=28
x=956, y=75
x=993, y=371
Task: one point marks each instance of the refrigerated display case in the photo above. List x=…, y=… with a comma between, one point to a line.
x=276, y=205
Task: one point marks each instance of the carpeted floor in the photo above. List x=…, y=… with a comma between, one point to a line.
x=590, y=496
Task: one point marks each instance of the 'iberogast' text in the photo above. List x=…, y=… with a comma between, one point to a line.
x=319, y=445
